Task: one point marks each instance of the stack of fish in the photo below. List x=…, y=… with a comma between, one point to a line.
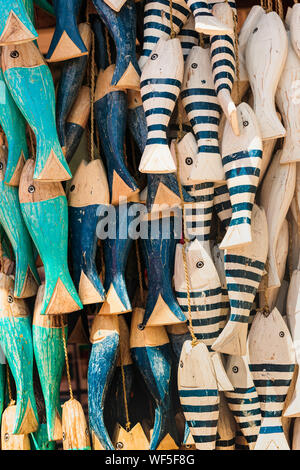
x=209, y=219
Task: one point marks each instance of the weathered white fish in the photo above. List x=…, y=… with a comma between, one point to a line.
x=222, y=204
x=272, y=363
x=205, y=20
x=266, y=54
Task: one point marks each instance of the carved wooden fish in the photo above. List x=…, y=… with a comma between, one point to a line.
x=15, y=24
x=205, y=20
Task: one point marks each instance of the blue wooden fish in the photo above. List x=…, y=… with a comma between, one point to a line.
x=30, y=82
x=87, y=196
x=14, y=127
x=26, y=277
x=160, y=86
x=122, y=27
x=71, y=78
x=244, y=267
x=111, y=112
x=67, y=42
x=101, y=55
x=102, y=363
x=116, y=250
x=16, y=342
x=241, y=157
x=151, y=352
x=49, y=355
x=157, y=23
x=45, y=210
x=15, y=24
x=77, y=121
x=158, y=251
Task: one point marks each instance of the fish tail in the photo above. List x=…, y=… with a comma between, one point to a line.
x=271, y=438
x=50, y=164
x=232, y=340
x=123, y=185
x=290, y=155
x=74, y=133
x=127, y=73
x=273, y=277
x=271, y=122
x=157, y=158
x=90, y=288
x=238, y=233
x=164, y=423
x=60, y=291
x=53, y=414
x=117, y=300
x=26, y=277
x=164, y=312
x=57, y=49
x=18, y=26
x=205, y=21
x=26, y=420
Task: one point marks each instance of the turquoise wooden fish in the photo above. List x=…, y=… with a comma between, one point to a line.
x=39, y=439
x=14, y=126
x=26, y=278
x=16, y=342
x=45, y=210
x=49, y=355
x=15, y=24
x=31, y=85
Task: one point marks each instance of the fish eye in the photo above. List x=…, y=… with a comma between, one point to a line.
x=72, y=187
x=64, y=436
x=154, y=56
x=199, y=264
x=281, y=334
x=31, y=189
x=235, y=369
x=194, y=65
x=1, y=166
x=255, y=30
x=14, y=54
x=245, y=123
x=203, y=81
x=141, y=327
x=181, y=364
x=6, y=436
x=119, y=445
x=10, y=299
x=189, y=161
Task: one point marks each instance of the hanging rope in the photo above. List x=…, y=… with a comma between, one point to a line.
x=269, y=6
x=279, y=8
x=108, y=46
x=128, y=423
x=236, y=52
x=92, y=148
x=66, y=356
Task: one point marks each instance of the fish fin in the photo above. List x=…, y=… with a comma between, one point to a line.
x=54, y=426
x=157, y=158
x=129, y=80
x=54, y=169
x=236, y=235
x=163, y=315
x=208, y=168
x=15, y=177
x=223, y=381
x=88, y=292
x=165, y=195
x=272, y=127
x=26, y=420
x=134, y=439
x=120, y=189
x=162, y=435
x=232, y=340
x=64, y=298
x=30, y=285
x=64, y=48
x=113, y=303
x=270, y=441
x=15, y=32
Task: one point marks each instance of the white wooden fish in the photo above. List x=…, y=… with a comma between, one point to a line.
x=241, y=158
x=160, y=85
x=267, y=154
x=205, y=20
x=222, y=204
x=276, y=196
x=186, y=152
x=218, y=259
x=243, y=400
x=266, y=54
x=203, y=110
x=287, y=100
x=272, y=363
x=294, y=24
x=244, y=267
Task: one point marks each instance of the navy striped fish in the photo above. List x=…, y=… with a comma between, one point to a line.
x=205, y=21
x=157, y=23
x=243, y=400
x=188, y=37
x=244, y=268
x=203, y=110
x=198, y=393
x=222, y=204
x=160, y=85
x=272, y=363
x=241, y=157
x=223, y=65
x=218, y=259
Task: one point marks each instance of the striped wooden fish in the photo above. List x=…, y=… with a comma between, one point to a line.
x=203, y=110
x=241, y=158
x=272, y=363
x=15, y=24
x=42, y=206
x=14, y=127
x=205, y=21
x=30, y=82
x=266, y=54
x=160, y=85
x=223, y=65
x=198, y=393
x=158, y=252
x=243, y=400
x=244, y=267
x=151, y=352
x=218, y=259
x=188, y=37
x=276, y=196
x=222, y=204
x=157, y=23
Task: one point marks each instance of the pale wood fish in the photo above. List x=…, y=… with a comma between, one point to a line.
x=266, y=54
x=294, y=25
x=218, y=259
x=272, y=363
x=75, y=431
x=244, y=267
x=9, y=440
x=267, y=155
x=205, y=20
x=241, y=158
x=276, y=196
x=288, y=99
